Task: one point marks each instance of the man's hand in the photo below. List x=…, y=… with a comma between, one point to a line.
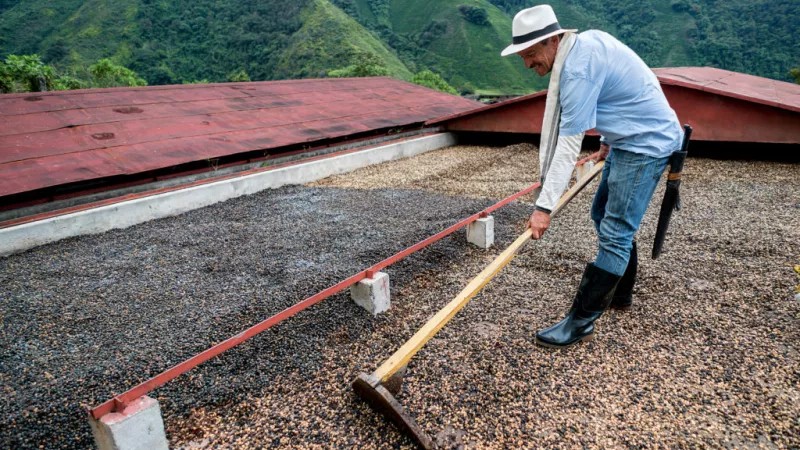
x=539, y=223
x=603, y=153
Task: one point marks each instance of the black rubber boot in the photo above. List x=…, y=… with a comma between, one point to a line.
x=592, y=299
x=623, y=296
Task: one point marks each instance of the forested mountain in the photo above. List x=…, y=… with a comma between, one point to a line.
x=174, y=41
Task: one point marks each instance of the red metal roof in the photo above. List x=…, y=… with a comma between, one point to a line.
x=54, y=138
x=722, y=106
x=733, y=84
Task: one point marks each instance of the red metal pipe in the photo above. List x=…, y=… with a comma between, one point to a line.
x=120, y=401
x=585, y=160
x=449, y=230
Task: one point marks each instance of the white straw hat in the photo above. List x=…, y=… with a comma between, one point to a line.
x=531, y=26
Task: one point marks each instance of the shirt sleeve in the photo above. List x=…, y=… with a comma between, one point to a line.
x=560, y=171
x=578, y=105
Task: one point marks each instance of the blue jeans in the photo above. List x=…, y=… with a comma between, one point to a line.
x=629, y=180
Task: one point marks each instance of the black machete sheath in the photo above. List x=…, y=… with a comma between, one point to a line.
x=672, y=197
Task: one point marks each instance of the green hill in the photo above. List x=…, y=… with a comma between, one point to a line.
x=438, y=36
x=759, y=37
x=318, y=47
x=174, y=41
x=465, y=52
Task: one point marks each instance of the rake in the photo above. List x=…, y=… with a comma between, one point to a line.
x=379, y=388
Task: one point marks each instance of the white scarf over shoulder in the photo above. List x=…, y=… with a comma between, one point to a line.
x=557, y=154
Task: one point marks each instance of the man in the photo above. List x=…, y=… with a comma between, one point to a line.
x=596, y=82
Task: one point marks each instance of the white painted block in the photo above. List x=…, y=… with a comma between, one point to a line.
x=583, y=169
x=138, y=427
x=481, y=232
x=372, y=294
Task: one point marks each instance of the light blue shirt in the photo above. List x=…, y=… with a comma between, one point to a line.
x=606, y=86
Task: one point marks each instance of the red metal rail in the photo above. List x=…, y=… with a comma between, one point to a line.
x=119, y=402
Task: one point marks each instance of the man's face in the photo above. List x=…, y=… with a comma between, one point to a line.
x=540, y=57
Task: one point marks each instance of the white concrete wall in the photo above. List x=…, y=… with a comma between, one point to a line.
x=125, y=214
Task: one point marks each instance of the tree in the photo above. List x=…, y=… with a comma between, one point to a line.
x=795, y=73
x=434, y=81
x=239, y=76
x=26, y=73
x=366, y=65
x=475, y=14
x=68, y=83
x=107, y=74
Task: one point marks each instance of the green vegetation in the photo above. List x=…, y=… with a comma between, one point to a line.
x=107, y=74
x=186, y=41
x=330, y=39
x=758, y=37
x=27, y=73
x=366, y=65
x=438, y=36
x=238, y=77
x=795, y=73
x=432, y=80
x=475, y=15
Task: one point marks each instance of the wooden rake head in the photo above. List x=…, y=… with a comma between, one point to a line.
x=381, y=400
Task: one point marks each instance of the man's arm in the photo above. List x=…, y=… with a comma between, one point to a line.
x=556, y=182
x=578, y=98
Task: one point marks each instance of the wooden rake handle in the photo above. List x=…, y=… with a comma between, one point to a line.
x=421, y=337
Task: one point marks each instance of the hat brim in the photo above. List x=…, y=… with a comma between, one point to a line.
x=516, y=48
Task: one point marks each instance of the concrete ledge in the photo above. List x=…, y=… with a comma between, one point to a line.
x=138, y=427
x=372, y=294
x=173, y=182
x=125, y=214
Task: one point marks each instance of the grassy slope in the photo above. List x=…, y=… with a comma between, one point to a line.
x=328, y=40
x=672, y=28
x=467, y=52
x=86, y=30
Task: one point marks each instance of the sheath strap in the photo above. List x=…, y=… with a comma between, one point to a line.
x=674, y=176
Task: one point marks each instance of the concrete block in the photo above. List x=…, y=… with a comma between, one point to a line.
x=481, y=232
x=372, y=294
x=583, y=169
x=138, y=427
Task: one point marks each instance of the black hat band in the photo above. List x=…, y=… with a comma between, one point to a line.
x=536, y=34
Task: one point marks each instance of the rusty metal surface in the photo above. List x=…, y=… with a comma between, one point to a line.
x=779, y=94
x=728, y=119
x=721, y=105
x=56, y=138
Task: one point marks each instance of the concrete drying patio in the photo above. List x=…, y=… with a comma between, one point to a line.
x=707, y=358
